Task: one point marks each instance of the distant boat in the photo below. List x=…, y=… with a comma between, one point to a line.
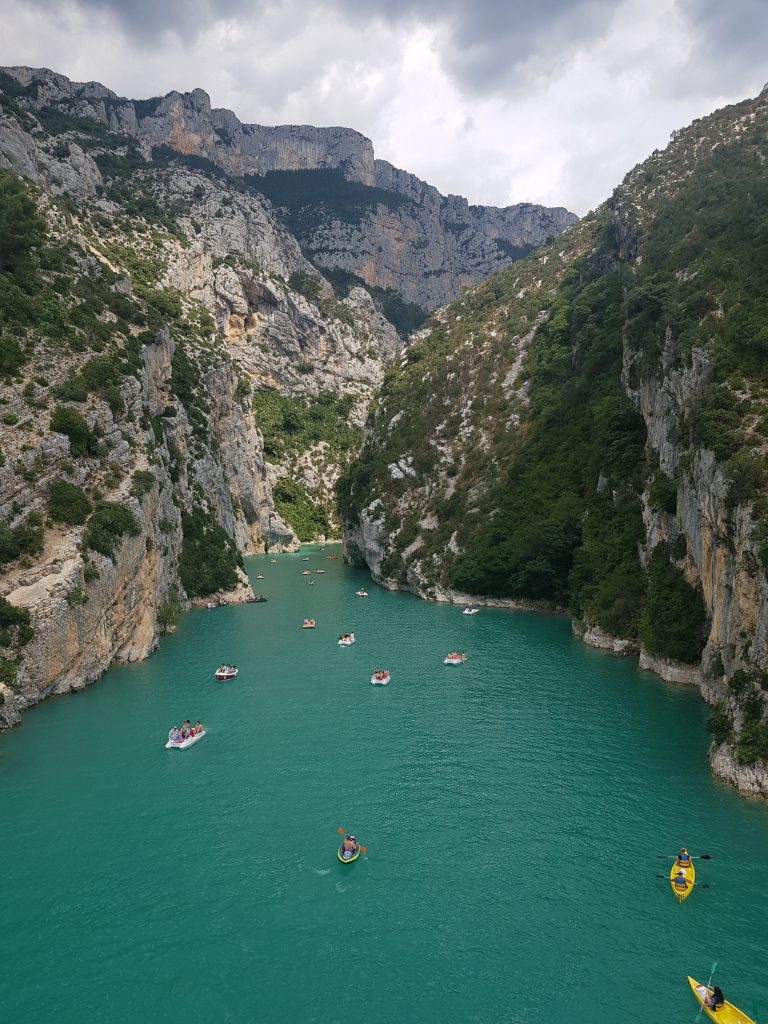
x=471, y=610
x=346, y=639
x=308, y=624
x=455, y=659
x=225, y=672
x=362, y=593
x=260, y=576
x=380, y=677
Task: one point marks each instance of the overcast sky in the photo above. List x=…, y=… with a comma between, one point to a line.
x=503, y=101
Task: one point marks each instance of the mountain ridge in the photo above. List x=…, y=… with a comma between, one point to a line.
x=426, y=251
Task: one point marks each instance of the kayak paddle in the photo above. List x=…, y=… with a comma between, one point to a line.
x=701, y=885
x=344, y=832
x=712, y=970
x=664, y=856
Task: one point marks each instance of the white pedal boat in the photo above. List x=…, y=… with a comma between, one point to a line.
x=347, y=640
x=361, y=593
x=455, y=659
x=183, y=744
x=225, y=672
x=380, y=678
x=469, y=610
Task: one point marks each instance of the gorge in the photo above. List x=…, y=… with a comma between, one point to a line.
x=198, y=313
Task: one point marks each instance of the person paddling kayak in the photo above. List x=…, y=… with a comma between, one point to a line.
x=681, y=881
x=349, y=847
x=683, y=859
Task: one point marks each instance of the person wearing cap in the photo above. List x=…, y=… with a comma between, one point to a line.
x=681, y=880
x=683, y=858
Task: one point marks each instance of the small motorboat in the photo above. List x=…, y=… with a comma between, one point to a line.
x=211, y=604
x=225, y=672
x=320, y=572
x=727, y=1014
x=688, y=872
x=380, y=677
x=471, y=610
x=183, y=744
x=348, y=856
x=346, y=639
x=273, y=561
x=308, y=624
x=260, y=576
x=306, y=573
x=331, y=558
x=305, y=558
x=455, y=659
x=361, y=593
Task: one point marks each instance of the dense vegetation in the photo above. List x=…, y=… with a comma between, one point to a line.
x=209, y=556
x=291, y=425
x=107, y=526
x=673, y=621
x=308, y=517
x=68, y=503
x=405, y=317
x=307, y=199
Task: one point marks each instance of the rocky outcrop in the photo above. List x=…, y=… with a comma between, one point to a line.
x=422, y=244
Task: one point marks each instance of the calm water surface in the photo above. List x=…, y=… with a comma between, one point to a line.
x=512, y=808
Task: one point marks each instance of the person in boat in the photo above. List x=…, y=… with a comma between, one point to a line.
x=199, y=728
x=681, y=881
x=715, y=999
x=683, y=858
x=348, y=847
x=174, y=735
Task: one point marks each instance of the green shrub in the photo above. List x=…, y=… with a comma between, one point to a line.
x=107, y=526
x=21, y=227
x=719, y=726
x=209, y=556
x=308, y=285
x=82, y=441
x=10, y=419
x=307, y=517
x=68, y=503
x=26, y=539
x=673, y=620
x=15, y=625
x=90, y=573
x=662, y=493
x=753, y=743
x=169, y=612
x=143, y=482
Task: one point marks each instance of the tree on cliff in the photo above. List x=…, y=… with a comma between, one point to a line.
x=21, y=227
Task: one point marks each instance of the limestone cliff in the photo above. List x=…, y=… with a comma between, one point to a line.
x=393, y=231
x=589, y=427
x=146, y=307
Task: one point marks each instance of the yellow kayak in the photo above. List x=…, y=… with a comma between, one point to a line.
x=690, y=877
x=728, y=1014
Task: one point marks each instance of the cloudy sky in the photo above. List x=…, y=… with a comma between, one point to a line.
x=502, y=101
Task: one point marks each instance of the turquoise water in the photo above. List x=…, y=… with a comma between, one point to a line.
x=512, y=809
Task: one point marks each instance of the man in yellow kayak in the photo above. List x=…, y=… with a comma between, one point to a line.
x=680, y=880
x=683, y=858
